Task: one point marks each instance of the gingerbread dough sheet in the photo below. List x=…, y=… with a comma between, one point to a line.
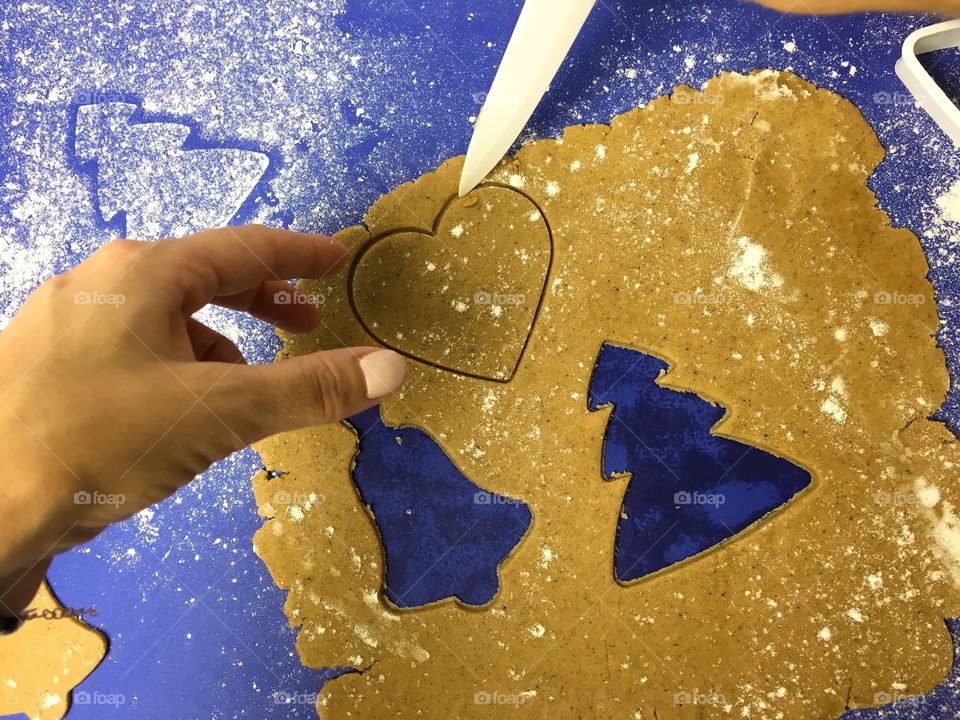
x=730, y=233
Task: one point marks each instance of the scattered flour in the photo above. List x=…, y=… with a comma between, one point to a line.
x=946, y=535
x=834, y=409
x=834, y=404
x=546, y=557
x=945, y=524
x=750, y=268
x=949, y=204
x=878, y=327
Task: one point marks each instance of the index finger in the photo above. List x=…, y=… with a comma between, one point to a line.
x=835, y=7
x=228, y=261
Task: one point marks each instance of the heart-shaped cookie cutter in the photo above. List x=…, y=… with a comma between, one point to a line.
x=922, y=86
x=433, y=231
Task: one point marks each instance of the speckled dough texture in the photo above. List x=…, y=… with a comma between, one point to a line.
x=731, y=232
x=43, y=661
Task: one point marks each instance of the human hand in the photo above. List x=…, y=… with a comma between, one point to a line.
x=112, y=396
x=832, y=7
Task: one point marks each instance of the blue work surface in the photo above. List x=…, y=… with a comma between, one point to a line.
x=322, y=108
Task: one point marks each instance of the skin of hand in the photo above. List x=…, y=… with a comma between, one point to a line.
x=112, y=396
x=834, y=7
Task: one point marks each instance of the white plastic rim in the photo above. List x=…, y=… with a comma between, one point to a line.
x=924, y=88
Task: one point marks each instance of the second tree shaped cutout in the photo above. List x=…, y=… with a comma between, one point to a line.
x=690, y=489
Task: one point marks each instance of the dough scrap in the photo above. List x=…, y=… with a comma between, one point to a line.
x=752, y=192
x=43, y=661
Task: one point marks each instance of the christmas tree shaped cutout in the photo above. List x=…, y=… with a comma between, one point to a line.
x=144, y=170
x=689, y=489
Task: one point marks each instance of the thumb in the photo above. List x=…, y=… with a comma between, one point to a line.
x=323, y=387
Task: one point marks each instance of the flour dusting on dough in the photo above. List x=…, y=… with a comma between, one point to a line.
x=750, y=267
x=946, y=533
x=809, y=581
x=944, y=523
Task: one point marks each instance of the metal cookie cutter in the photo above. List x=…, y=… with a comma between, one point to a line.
x=924, y=88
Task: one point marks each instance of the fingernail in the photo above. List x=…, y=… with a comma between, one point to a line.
x=383, y=371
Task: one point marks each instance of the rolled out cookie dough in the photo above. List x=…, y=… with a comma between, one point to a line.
x=43, y=661
x=731, y=233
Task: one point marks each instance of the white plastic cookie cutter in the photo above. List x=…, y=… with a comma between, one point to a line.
x=924, y=88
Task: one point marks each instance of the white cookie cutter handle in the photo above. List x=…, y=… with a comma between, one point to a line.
x=918, y=81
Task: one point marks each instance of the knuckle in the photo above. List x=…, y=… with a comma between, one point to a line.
x=123, y=254
x=122, y=249
x=264, y=241
x=327, y=390
x=49, y=297
x=186, y=268
x=58, y=283
x=241, y=233
x=253, y=229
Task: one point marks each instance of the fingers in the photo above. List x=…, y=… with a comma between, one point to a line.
x=831, y=7
x=210, y=346
x=278, y=303
x=230, y=261
x=324, y=387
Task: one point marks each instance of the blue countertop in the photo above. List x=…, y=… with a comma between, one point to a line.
x=346, y=99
